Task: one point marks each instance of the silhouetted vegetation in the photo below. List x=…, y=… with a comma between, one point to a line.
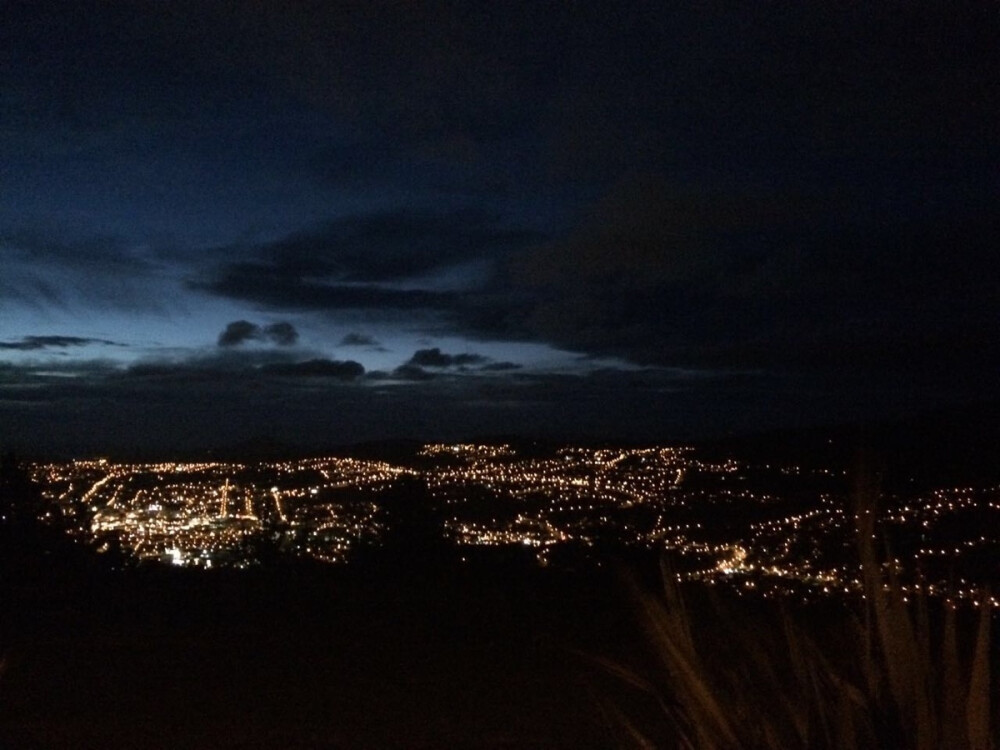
x=894, y=672
x=36, y=552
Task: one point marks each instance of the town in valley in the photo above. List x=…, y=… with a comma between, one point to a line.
x=764, y=529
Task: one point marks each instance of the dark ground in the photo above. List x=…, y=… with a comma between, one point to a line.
x=393, y=653
x=311, y=658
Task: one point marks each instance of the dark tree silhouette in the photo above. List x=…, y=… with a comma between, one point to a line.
x=20, y=498
x=32, y=547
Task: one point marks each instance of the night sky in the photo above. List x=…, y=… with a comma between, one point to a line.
x=321, y=222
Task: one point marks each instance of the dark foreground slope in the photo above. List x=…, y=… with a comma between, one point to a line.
x=386, y=656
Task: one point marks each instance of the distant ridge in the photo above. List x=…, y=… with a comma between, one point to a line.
x=960, y=442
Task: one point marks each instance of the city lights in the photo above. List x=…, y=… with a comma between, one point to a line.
x=775, y=530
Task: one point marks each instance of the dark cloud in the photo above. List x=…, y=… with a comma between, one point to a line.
x=34, y=343
x=241, y=331
x=282, y=334
x=405, y=372
x=182, y=374
x=358, y=339
x=37, y=378
x=238, y=332
x=661, y=277
x=273, y=287
x=394, y=261
x=438, y=359
x=388, y=246
x=500, y=367
x=233, y=364
x=412, y=372
x=317, y=368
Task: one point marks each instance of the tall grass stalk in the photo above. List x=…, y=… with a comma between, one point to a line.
x=899, y=683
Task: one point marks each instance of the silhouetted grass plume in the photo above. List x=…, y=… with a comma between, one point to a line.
x=893, y=672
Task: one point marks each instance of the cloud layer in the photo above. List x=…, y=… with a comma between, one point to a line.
x=418, y=213
x=36, y=343
x=241, y=331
